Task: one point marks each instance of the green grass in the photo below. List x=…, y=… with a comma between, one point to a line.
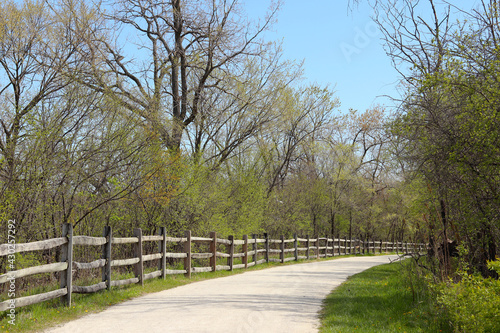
x=386, y=298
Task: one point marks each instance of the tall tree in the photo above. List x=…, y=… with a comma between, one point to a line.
x=177, y=54
x=450, y=117
x=34, y=52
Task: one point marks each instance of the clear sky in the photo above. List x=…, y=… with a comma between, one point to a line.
x=340, y=47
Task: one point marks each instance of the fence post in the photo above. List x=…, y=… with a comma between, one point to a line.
x=163, y=251
x=106, y=255
x=213, y=250
x=326, y=247
x=266, y=236
x=282, y=248
x=245, y=250
x=295, y=245
x=230, y=259
x=254, y=248
x=187, y=250
x=307, y=247
x=139, y=267
x=67, y=256
x=317, y=246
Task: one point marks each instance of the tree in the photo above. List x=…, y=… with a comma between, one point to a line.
x=230, y=118
x=185, y=53
x=450, y=118
x=34, y=52
x=305, y=113
x=64, y=149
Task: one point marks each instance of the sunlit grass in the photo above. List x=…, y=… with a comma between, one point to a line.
x=380, y=299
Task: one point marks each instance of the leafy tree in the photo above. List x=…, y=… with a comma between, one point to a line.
x=450, y=118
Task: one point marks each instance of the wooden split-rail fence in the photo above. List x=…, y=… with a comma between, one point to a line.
x=251, y=251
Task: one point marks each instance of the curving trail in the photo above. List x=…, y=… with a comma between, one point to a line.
x=279, y=299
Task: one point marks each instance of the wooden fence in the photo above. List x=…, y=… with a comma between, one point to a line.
x=250, y=251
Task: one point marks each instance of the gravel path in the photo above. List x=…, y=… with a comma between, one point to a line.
x=279, y=299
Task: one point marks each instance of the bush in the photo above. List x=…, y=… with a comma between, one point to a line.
x=473, y=304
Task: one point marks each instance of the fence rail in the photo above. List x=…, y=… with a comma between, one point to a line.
x=251, y=251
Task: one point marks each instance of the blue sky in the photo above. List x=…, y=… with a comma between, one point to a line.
x=341, y=48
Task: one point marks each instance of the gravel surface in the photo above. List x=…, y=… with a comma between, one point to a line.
x=280, y=299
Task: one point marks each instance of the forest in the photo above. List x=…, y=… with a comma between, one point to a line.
x=179, y=114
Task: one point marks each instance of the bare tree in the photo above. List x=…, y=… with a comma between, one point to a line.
x=34, y=52
x=176, y=52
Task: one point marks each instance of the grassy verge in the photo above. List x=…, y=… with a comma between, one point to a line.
x=385, y=298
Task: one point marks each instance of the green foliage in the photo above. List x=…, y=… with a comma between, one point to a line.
x=206, y=201
x=473, y=304
x=494, y=265
x=449, y=132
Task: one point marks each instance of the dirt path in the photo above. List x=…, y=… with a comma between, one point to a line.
x=280, y=299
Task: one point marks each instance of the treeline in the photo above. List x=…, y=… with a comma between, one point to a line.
x=447, y=134
x=178, y=114
x=448, y=127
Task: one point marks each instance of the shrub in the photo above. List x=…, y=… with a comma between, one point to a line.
x=473, y=304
